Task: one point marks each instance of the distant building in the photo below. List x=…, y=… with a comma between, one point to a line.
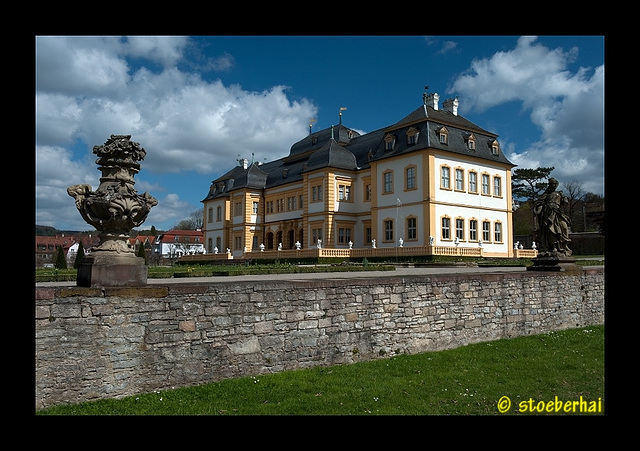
x=176, y=243
x=46, y=247
x=433, y=178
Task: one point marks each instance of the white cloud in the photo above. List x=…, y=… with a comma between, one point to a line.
x=87, y=90
x=567, y=107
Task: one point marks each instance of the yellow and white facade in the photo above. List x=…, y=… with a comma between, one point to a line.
x=432, y=183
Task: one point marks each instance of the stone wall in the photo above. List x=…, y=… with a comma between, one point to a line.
x=96, y=343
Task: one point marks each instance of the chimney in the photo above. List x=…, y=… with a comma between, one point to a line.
x=432, y=100
x=243, y=162
x=451, y=105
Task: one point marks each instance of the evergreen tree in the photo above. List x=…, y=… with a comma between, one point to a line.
x=528, y=184
x=79, y=256
x=61, y=260
x=142, y=253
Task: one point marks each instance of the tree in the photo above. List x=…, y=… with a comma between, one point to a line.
x=79, y=256
x=573, y=190
x=193, y=222
x=142, y=253
x=529, y=184
x=61, y=260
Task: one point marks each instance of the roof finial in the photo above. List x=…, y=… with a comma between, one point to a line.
x=332, y=132
x=341, y=110
x=311, y=121
x=424, y=96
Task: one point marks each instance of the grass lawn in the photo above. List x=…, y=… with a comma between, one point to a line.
x=532, y=371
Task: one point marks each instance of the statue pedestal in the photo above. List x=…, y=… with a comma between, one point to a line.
x=553, y=263
x=112, y=269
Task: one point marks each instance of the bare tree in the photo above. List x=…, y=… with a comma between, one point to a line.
x=192, y=222
x=575, y=193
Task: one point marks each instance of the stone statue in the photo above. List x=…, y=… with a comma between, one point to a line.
x=550, y=224
x=113, y=209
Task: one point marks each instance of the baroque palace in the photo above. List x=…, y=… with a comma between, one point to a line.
x=433, y=183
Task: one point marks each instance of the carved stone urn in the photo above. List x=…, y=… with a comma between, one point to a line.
x=114, y=209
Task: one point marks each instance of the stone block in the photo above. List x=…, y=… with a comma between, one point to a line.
x=112, y=270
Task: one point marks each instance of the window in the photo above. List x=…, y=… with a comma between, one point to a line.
x=446, y=228
x=412, y=229
x=344, y=235
x=255, y=208
x=219, y=243
x=367, y=235
x=471, y=142
x=485, y=184
x=316, y=234
x=388, y=230
x=410, y=177
x=301, y=203
x=497, y=232
x=237, y=211
x=291, y=203
x=219, y=213
x=210, y=217
x=210, y=245
x=280, y=205
x=237, y=242
x=460, y=228
x=443, y=135
x=459, y=180
x=344, y=192
x=389, y=142
x=270, y=206
x=445, y=179
x=497, y=186
x=367, y=192
x=412, y=136
x=473, y=230
x=316, y=193
x=388, y=182
x=486, y=231
x=495, y=147
x=473, y=182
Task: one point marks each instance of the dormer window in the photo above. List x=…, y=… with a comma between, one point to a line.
x=443, y=135
x=471, y=142
x=412, y=136
x=495, y=147
x=389, y=141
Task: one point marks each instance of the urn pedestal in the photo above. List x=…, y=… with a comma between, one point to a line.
x=114, y=209
x=553, y=263
x=111, y=270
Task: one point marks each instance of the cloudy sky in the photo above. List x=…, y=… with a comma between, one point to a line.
x=197, y=104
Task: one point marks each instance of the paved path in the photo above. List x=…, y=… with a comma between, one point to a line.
x=399, y=272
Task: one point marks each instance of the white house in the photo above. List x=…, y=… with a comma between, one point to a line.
x=176, y=243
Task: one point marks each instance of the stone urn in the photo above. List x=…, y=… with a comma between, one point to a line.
x=114, y=209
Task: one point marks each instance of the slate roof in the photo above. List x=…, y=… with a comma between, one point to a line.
x=342, y=148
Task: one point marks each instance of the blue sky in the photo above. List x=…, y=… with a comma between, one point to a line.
x=198, y=103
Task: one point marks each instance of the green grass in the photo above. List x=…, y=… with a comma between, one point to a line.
x=465, y=381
